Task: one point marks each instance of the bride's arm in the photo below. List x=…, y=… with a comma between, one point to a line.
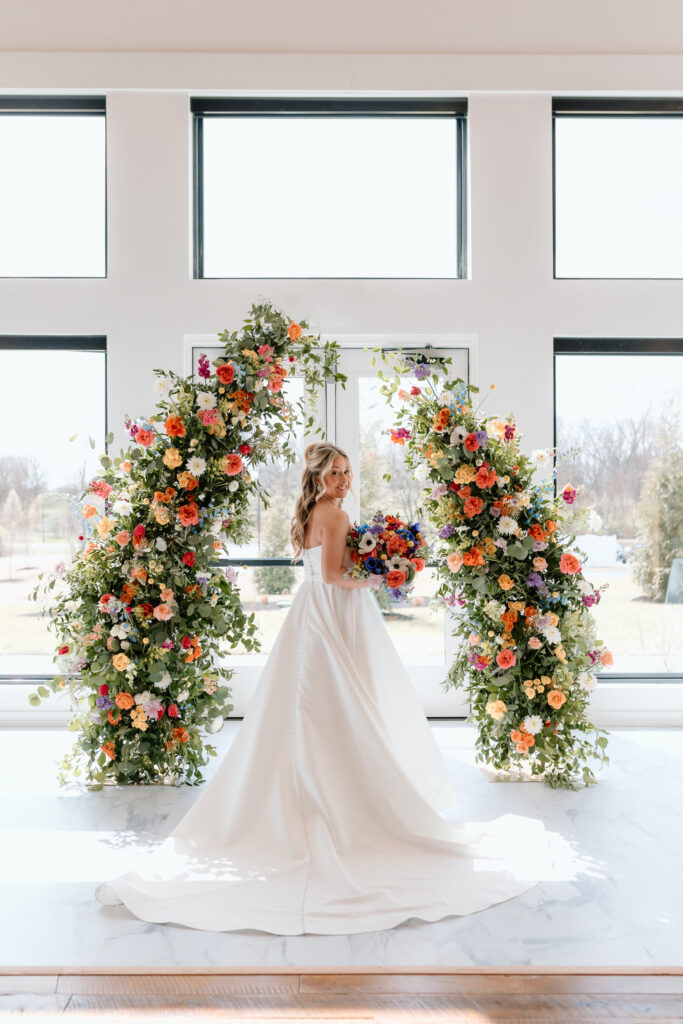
x=334, y=528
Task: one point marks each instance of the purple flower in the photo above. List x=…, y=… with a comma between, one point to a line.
x=446, y=531
x=225, y=524
x=104, y=702
x=203, y=366
x=540, y=545
x=534, y=579
x=482, y=437
x=421, y=371
x=510, y=431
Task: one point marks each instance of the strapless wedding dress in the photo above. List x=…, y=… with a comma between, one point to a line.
x=323, y=816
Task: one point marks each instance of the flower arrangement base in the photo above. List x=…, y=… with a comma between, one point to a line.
x=169, y=779
x=494, y=774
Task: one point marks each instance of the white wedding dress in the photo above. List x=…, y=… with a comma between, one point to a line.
x=323, y=816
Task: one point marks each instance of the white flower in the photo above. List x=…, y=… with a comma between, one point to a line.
x=122, y=507
x=397, y=562
x=231, y=574
x=494, y=610
x=594, y=521
x=162, y=386
x=233, y=486
x=121, y=630
x=161, y=544
x=206, y=400
x=552, y=635
x=143, y=698
x=183, y=695
x=499, y=481
x=215, y=725
x=506, y=524
x=458, y=435
x=124, y=645
x=367, y=542
x=422, y=472
x=541, y=457
x=585, y=587
x=586, y=681
x=533, y=724
x=438, y=491
x=213, y=600
x=196, y=466
x=164, y=682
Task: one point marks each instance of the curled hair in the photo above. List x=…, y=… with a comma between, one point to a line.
x=318, y=459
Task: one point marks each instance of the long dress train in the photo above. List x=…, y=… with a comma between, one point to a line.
x=323, y=816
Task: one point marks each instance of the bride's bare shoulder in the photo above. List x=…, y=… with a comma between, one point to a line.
x=330, y=516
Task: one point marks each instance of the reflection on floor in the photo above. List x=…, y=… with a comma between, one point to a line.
x=619, y=902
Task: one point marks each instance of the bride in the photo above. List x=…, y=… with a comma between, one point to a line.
x=324, y=815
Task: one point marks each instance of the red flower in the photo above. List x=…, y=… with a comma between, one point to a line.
x=244, y=449
x=186, y=642
x=454, y=487
x=64, y=649
x=160, y=713
x=172, y=710
x=147, y=610
x=144, y=437
x=415, y=390
x=226, y=373
x=104, y=690
x=506, y=659
x=471, y=443
x=188, y=558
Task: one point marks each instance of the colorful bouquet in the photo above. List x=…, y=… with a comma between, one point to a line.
x=386, y=546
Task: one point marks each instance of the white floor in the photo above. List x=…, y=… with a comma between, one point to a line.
x=617, y=902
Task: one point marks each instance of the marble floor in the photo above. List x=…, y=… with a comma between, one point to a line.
x=616, y=901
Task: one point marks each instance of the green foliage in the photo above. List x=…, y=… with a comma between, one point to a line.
x=275, y=579
x=659, y=518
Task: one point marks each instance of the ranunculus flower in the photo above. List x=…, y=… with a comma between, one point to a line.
x=556, y=698
x=122, y=538
x=471, y=443
x=172, y=458
x=144, y=437
x=396, y=578
x=172, y=711
x=244, y=449
x=506, y=659
x=163, y=612
x=64, y=649
x=188, y=558
x=124, y=700
x=175, y=427
x=294, y=331
x=187, y=480
x=535, y=644
x=454, y=561
x=104, y=690
x=120, y=661
x=226, y=373
x=505, y=582
x=569, y=564
x=139, y=532
x=189, y=514
x=485, y=477
x=186, y=642
x=232, y=464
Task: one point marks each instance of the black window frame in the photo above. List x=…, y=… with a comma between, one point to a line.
x=607, y=106
x=212, y=106
x=574, y=346
x=62, y=106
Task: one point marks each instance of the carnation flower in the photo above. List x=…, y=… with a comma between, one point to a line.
x=506, y=524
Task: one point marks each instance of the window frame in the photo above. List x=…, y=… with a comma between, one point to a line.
x=62, y=106
x=568, y=346
x=609, y=106
x=212, y=106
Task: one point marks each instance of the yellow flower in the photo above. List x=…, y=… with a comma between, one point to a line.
x=120, y=661
x=465, y=474
x=105, y=526
x=172, y=458
x=560, y=654
x=138, y=718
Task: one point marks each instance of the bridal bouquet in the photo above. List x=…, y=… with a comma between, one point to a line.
x=386, y=546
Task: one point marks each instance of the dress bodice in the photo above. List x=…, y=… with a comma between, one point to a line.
x=313, y=563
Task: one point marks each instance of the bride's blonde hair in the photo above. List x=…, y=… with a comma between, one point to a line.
x=318, y=458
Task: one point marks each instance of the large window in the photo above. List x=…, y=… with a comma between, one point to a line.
x=618, y=197
x=53, y=401
x=317, y=189
x=619, y=408
x=52, y=186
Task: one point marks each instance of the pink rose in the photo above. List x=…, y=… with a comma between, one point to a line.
x=534, y=643
x=163, y=612
x=454, y=561
x=506, y=659
x=123, y=538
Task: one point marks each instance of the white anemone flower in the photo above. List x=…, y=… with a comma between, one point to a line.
x=399, y=563
x=368, y=542
x=458, y=435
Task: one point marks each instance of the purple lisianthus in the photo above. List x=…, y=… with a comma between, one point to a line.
x=510, y=431
x=534, y=579
x=482, y=437
x=447, y=531
x=104, y=702
x=540, y=545
x=421, y=371
x=203, y=367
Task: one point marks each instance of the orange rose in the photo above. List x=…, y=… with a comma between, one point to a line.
x=506, y=659
x=550, y=525
x=419, y=564
x=122, y=538
x=294, y=331
x=473, y=507
x=515, y=736
x=175, y=427
x=163, y=612
x=125, y=701
x=187, y=481
x=570, y=564
x=505, y=582
x=120, y=662
x=226, y=373
x=536, y=531
x=522, y=748
x=144, y=437
x=232, y=464
x=396, y=578
x=473, y=557
x=189, y=514
x=126, y=465
x=172, y=458
x=606, y=658
x=168, y=494
x=556, y=698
